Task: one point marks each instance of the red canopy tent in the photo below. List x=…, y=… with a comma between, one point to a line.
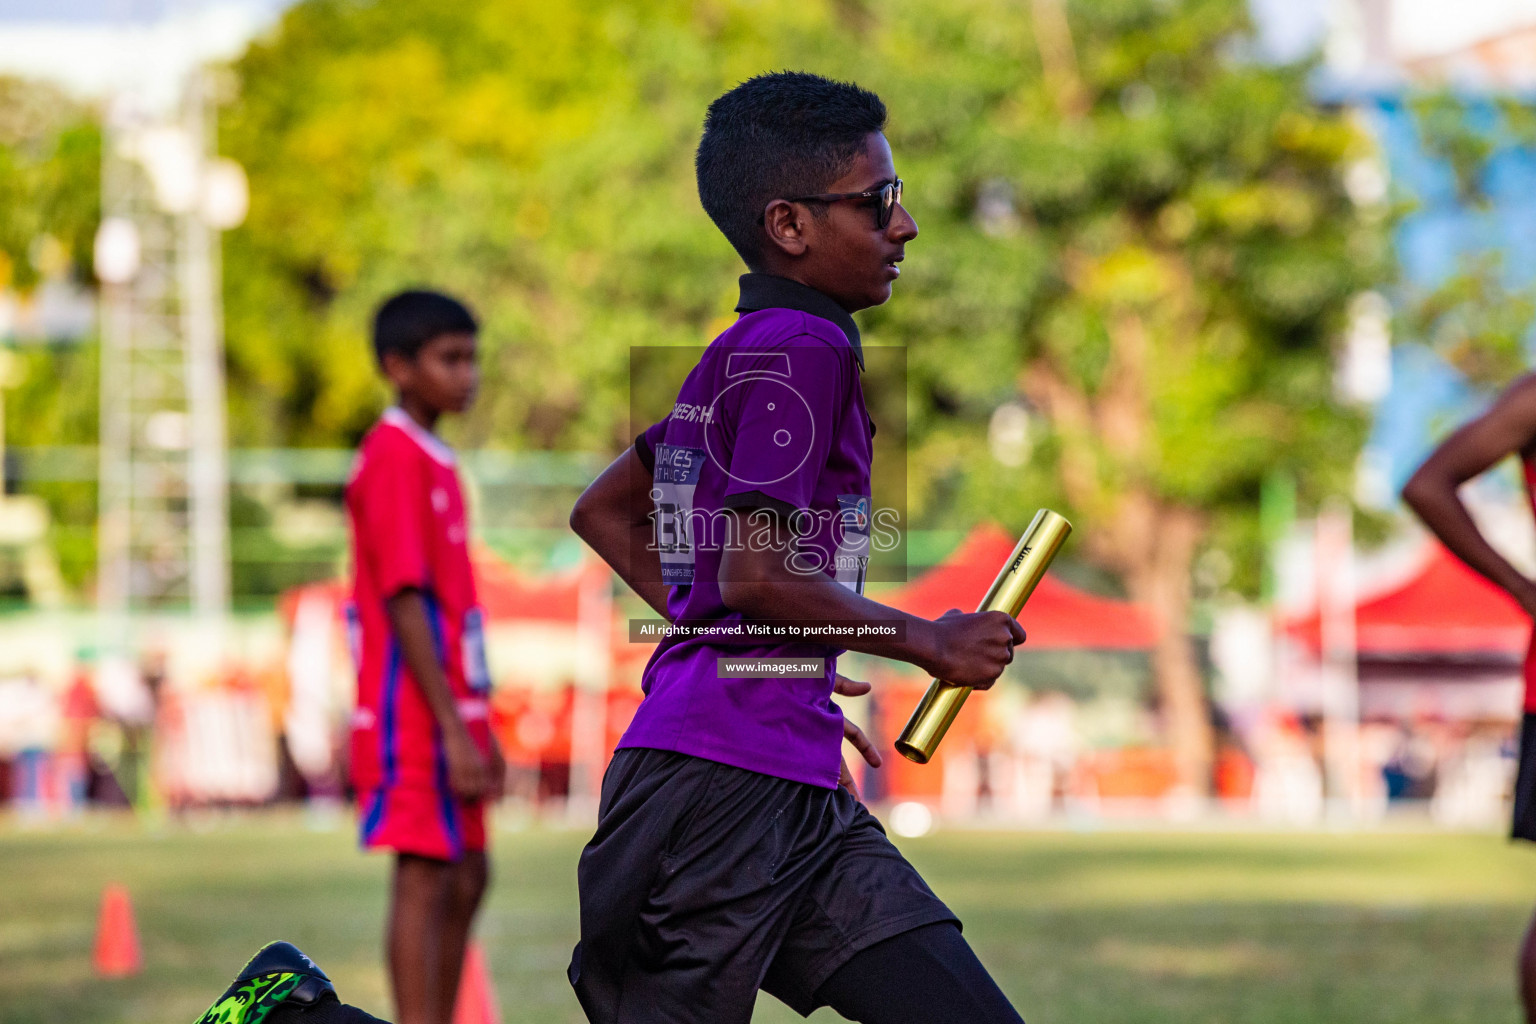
x=1444, y=610
x=1057, y=617
x=504, y=593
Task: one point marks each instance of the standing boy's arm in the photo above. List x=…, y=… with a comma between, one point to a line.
x=1508, y=427
x=613, y=515
x=467, y=770
x=756, y=580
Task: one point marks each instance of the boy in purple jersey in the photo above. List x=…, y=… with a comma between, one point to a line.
x=728, y=858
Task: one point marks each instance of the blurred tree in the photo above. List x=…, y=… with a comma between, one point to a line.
x=50, y=170
x=1156, y=251
x=1479, y=317
x=534, y=158
x=1135, y=257
x=50, y=167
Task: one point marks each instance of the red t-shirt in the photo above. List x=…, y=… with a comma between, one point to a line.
x=410, y=530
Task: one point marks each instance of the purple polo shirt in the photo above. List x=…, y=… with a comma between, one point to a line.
x=772, y=417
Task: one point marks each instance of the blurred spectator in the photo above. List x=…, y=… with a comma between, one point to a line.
x=29, y=729
x=215, y=745
x=1473, y=782
x=133, y=768
x=80, y=711
x=1411, y=771
x=1234, y=772
x=1287, y=785
x=1378, y=745
x=533, y=726
x=306, y=728
x=1045, y=746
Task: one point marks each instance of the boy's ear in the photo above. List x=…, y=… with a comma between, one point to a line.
x=400, y=369
x=785, y=224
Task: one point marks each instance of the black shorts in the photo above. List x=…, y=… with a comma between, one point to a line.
x=705, y=883
x=1524, y=825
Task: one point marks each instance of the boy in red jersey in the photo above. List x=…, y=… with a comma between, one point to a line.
x=1507, y=428
x=423, y=758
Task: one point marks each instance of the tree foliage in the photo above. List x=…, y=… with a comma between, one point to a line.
x=1127, y=224
x=1478, y=317
x=50, y=172
x=50, y=167
x=537, y=159
x=50, y=160
x=1129, y=228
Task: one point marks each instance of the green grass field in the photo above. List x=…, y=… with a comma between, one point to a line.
x=1104, y=927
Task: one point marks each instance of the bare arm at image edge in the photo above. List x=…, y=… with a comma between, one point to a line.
x=1508, y=428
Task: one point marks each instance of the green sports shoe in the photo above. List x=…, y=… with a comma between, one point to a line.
x=281, y=985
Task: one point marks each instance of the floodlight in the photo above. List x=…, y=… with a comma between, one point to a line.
x=170, y=156
x=1010, y=435
x=116, y=252
x=226, y=194
x=168, y=430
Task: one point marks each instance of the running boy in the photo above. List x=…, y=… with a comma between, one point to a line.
x=727, y=857
x=1508, y=428
x=423, y=758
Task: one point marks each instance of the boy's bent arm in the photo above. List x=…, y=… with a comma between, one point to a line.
x=1505, y=429
x=467, y=770
x=613, y=515
x=757, y=581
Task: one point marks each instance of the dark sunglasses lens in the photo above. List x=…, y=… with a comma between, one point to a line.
x=890, y=195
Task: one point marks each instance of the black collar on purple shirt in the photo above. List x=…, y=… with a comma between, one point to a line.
x=766, y=291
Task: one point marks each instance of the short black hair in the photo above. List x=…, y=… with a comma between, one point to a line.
x=788, y=133
x=407, y=321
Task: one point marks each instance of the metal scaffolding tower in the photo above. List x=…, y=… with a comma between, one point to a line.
x=163, y=527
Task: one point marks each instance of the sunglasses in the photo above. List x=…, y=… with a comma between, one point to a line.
x=889, y=195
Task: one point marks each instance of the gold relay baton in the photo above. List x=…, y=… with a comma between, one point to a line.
x=1022, y=573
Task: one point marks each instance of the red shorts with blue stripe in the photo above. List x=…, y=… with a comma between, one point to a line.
x=427, y=821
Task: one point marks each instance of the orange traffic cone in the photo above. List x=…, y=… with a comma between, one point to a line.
x=476, y=1001
x=117, y=940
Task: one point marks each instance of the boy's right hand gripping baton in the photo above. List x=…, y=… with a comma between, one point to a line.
x=1025, y=568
